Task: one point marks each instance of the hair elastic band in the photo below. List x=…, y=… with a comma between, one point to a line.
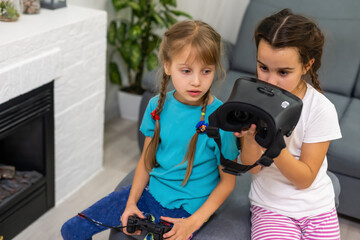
x=154, y=115
x=201, y=127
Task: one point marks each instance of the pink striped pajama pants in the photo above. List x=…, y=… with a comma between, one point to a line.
x=270, y=225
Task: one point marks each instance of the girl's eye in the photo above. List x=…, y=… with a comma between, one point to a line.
x=263, y=68
x=207, y=71
x=186, y=71
x=283, y=73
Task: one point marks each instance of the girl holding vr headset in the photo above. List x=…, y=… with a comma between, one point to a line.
x=294, y=197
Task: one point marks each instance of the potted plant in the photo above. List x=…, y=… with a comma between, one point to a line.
x=8, y=11
x=135, y=40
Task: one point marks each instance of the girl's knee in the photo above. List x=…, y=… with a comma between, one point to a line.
x=74, y=229
x=66, y=230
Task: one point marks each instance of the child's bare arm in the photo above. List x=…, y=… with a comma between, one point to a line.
x=302, y=172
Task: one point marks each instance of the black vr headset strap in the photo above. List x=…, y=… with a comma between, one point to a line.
x=236, y=168
x=229, y=165
x=273, y=151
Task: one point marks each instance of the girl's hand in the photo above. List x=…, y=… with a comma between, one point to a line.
x=247, y=133
x=182, y=229
x=130, y=210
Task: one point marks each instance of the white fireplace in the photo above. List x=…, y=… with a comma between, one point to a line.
x=68, y=46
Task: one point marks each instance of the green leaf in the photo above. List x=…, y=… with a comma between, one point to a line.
x=135, y=56
x=121, y=32
x=168, y=2
x=125, y=51
x=114, y=74
x=112, y=33
x=166, y=22
x=151, y=62
x=158, y=19
x=120, y=4
x=135, y=32
x=181, y=13
x=135, y=6
x=170, y=18
x=153, y=43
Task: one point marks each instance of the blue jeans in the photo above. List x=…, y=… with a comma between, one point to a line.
x=108, y=211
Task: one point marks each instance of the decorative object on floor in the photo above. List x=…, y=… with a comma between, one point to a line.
x=135, y=39
x=53, y=4
x=31, y=6
x=9, y=10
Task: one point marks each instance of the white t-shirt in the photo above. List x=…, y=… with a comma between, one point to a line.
x=271, y=190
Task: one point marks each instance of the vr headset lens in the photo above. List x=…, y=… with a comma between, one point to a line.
x=242, y=121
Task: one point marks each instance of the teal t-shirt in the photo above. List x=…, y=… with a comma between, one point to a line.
x=177, y=126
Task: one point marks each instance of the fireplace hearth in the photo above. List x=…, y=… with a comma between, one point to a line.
x=27, y=145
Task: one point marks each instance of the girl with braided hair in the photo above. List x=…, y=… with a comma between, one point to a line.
x=178, y=177
x=294, y=197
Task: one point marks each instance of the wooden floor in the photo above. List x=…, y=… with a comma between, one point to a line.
x=121, y=153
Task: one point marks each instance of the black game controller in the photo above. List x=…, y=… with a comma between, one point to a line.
x=157, y=229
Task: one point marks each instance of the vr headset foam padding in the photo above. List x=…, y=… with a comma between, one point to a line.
x=274, y=111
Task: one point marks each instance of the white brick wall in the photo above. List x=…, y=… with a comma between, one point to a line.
x=67, y=45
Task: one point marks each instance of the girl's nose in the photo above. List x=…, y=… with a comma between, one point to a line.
x=271, y=78
x=195, y=81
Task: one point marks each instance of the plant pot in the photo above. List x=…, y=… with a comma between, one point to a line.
x=129, y=105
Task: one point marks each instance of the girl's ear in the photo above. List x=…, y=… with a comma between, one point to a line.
x=167, y=67
x=308, y=65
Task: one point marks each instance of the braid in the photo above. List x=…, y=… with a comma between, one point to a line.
x=190, y=154
x=150, y=155
x=314, y=80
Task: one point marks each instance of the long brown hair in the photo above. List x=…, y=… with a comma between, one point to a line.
x=207, y=48
x=285, y=29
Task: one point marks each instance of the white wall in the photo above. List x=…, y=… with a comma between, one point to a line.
x=225, y=16
x=98, y=4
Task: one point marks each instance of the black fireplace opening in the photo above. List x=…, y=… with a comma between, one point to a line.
x=26, y=159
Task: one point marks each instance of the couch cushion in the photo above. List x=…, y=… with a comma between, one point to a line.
x=344, y=154
x=341, y=56
x=357, y=88
x=244, y=54
x=340, y=102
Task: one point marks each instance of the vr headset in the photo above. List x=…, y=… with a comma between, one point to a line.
x=274, y=111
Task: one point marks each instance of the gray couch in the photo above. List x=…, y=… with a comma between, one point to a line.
x=339, y=75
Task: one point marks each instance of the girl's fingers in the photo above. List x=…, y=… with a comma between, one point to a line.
x=169, y=234
x=252, y=129
x=249, y=131
x=237, y=134
x=169, y=219
x=140, y=214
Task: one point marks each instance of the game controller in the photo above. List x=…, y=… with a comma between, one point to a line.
x=157, y=229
